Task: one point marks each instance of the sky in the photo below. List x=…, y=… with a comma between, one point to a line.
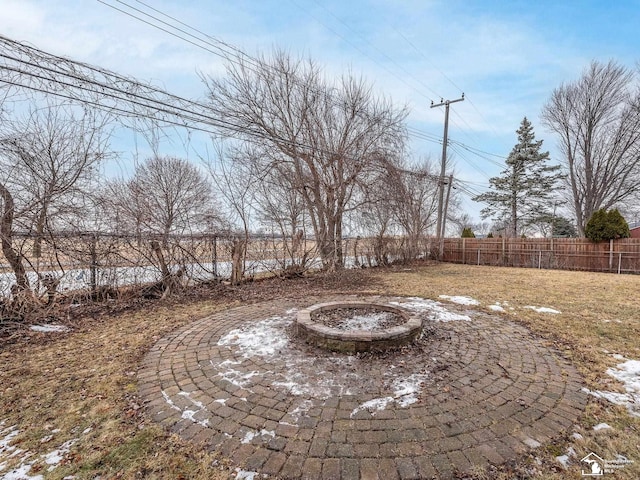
x=506, y=56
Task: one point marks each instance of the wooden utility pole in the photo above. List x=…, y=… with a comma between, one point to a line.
x=444, y=213
x=443, y=167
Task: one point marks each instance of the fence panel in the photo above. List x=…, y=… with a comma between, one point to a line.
x=616, y=256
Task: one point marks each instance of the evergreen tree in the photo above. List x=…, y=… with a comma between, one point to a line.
x=605, y=225
x=520, y=195
x=563, y=227
x=468, y=233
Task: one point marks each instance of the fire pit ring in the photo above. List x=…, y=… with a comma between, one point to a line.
x=356, y=340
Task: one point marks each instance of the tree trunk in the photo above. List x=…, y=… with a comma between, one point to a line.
x=237, y=261
x=6, y=232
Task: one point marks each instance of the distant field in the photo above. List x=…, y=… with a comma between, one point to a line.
x=80, y=387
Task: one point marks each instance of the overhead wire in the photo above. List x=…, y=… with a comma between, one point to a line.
x=213, y=42
x=384, y=55
x=238, y=57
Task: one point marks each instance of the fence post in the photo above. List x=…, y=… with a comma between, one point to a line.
x=478, y=256
x=539, y=259
x=94, y=263
x=464, y=246
x=610, y=255
x=214, y=255
x=619, y=262
x=504, y=258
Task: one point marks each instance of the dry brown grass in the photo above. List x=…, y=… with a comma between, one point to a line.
x=87, y=379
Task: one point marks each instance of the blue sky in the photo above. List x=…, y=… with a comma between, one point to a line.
x=506, y=56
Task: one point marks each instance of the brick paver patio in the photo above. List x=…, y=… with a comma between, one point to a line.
x=472, y=393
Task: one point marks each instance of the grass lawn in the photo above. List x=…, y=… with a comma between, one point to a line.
x=80, y=387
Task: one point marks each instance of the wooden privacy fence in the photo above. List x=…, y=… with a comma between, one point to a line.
x=617, y=256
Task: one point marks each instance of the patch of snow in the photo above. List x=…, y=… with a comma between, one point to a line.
x=263, y=338
x=222, y=401
x=460, y=300
x=602, y=426
x=245, y=475
x=21, y=473
x=405, y=394
x=188, y=414
x=564, y=459
x=543, y=309
x=628, y=373
x=437, y=310
x=5, y=441
x=49, y=328
x=617, y=356
x=530, y=442
x=497, y=308
x=237, y=377
x=55, y=457
x=195, y=402
x=406, y=389
x=577, y=436
x=169, y=401
x=373, y=405
x=297, y=413
x=371, y=321
x=320, y=377
x=253, y=434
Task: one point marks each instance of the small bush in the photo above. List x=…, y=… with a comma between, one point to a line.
x=468, y=233
x=605, y=225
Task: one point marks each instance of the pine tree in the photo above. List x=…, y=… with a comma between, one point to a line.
x=468, y=233
x=521, y=194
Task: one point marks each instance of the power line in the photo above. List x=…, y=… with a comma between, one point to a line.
x=384, y=55
x=237, y=57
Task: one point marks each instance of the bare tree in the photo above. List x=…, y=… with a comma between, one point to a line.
x=325, y=137
x=598, y=121
x=414, y=200
x=164, y=197
x=48, y=161
x=235, y=177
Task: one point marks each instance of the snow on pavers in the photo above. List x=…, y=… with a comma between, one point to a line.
x=405, y=393
x=310, y=377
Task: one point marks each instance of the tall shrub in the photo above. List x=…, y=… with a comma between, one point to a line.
x=605, y=225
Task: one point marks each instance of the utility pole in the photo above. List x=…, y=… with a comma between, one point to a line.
x=443, y=166
x=444, y=212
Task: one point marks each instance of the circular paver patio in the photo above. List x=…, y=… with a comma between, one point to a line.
x=470, y=393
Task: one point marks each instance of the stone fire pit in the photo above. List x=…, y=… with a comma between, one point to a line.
x=366, y=326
